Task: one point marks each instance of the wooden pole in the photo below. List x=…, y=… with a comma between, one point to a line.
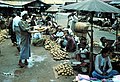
x=91, y=48
x=117, y=29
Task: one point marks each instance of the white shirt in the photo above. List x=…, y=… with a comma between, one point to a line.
x=100, y=61
x=16, y=20
x=83, y=51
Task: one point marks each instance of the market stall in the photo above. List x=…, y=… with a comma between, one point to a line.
x=92, y=6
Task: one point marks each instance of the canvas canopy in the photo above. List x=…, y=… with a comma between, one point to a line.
x=92, y=5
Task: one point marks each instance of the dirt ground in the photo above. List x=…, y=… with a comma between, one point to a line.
x=38, y=70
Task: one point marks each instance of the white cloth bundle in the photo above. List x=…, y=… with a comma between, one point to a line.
x=23, y=13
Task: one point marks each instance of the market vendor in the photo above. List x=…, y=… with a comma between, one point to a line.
x=71, y=44
x=103, y=66
x=103, y=42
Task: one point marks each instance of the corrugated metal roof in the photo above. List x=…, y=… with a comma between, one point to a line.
x=19, y=4
x=16, y=2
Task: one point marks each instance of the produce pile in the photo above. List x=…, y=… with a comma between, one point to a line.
x=116, y=58
x=64, y=69
x=50, y=44
x=38, y=42
x=3, y=35
x=58, y=54
x=55, y=50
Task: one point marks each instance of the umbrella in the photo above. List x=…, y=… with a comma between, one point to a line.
x=92, y=6
x=53, y=9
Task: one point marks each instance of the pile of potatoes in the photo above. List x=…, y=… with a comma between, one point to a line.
x=58, y=54
x=49, y=44
x=55, y=50
x=64, y=69
x=116, y=59
x=1, y=38
x=3, y=35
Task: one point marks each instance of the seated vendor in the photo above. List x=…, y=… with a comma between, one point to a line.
x=71, y=44
x=103, y=66
x=103, y=42
x=59, y=34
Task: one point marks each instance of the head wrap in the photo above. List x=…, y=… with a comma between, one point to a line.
x=23, y=13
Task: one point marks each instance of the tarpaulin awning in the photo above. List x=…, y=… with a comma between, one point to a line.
x=92, y=5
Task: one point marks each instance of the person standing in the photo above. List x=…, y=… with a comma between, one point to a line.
x=33, y=21
x=103, y=66
x=72, y=19
x=25, y=52
x=16, y=29
x=12, y=34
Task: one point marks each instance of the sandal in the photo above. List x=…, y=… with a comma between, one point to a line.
x=21, y=64
x=26, y=62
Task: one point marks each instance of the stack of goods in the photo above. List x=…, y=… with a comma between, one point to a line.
x=3, y=35
x=64, y=69
x=116, y=58
x=38, y=42
x=82, y=78
x=55, y=50
x=49, y=44
x=58, y=54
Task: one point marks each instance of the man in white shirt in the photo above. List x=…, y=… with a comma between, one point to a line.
x=103, y=66
x=16, y=29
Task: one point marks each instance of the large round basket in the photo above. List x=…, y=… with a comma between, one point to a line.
x=81, y=27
